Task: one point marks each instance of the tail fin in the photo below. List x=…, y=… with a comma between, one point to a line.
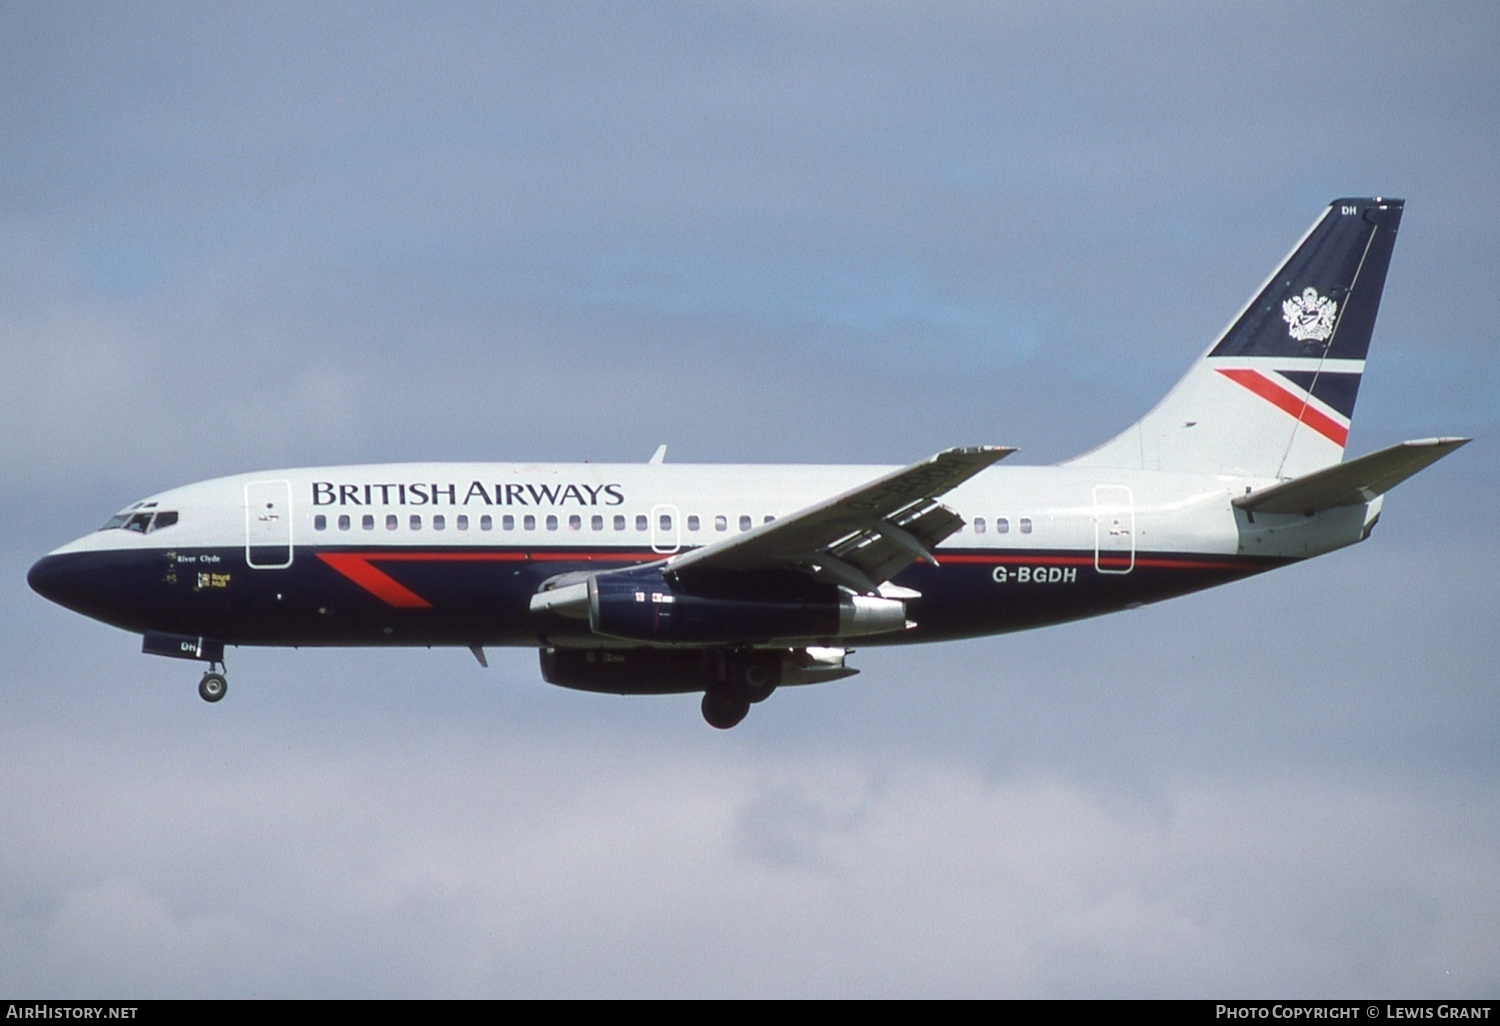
x=1274, y=396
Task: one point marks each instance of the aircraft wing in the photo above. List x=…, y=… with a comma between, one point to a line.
x=859, y=539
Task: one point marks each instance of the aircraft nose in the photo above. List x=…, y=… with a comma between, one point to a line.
x=56, y=578
x=115, y=587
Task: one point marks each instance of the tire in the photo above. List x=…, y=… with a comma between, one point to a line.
x=723, y=710
x=757, y=678
x=213, y=687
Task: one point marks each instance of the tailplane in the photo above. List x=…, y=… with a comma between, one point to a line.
x=1274, y=396
x=1350, y=484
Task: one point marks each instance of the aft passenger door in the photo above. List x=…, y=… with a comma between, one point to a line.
x=1114, y=529
x=268, y=524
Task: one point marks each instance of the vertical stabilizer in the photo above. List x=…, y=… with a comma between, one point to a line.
x=1274, y=396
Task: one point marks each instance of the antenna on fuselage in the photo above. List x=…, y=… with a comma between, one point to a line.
x=659, y=456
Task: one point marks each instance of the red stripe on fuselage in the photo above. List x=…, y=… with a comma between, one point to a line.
x=1285, y=401
x=359, y=567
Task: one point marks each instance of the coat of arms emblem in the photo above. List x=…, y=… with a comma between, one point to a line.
x=1309, y=317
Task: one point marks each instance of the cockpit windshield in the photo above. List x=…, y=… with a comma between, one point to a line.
x=142, y=518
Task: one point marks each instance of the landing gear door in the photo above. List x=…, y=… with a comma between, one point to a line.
x=268, y=525
x=1114, y=529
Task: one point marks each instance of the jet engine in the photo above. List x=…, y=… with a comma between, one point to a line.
x=647, y=605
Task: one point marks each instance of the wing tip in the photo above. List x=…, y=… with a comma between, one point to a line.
x=987, y=453
x=1445, y=442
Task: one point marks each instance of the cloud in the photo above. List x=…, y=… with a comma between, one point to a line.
x=486, y=861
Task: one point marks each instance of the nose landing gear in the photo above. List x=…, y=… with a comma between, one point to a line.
x=213, y=684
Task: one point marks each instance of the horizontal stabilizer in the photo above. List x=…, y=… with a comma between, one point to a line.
x=1352, y=483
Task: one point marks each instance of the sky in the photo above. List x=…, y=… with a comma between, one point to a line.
x=242, y=237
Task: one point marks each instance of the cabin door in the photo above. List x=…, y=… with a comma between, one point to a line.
x=1114, y=529
x=268, y=524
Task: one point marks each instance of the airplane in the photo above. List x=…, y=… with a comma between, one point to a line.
x=732, y=581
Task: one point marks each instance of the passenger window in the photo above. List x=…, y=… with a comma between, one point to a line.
x=575, y=522
x=597, y=523
x=640, y=522
x=416, y=521
x=486, y=523
x=619, y=522
x=463, y=522
x=693, y=522
x=551, y=522
x=529, y=522
x=508, y=522
x=343, y=521
x=320, y=523
x=1025, y=525
x=439, y=522
x=979, y=525
x=1002, y=525
x=666, y=521
x=391, y=522
x=368, y=522
x=721, y=523
x=744, y=523
x=768, y=519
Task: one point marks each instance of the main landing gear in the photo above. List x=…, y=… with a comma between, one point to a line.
x=213, y=686
x=747, y=678
x=723, y=709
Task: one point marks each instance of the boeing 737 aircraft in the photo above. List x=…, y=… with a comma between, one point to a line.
x=734, y=580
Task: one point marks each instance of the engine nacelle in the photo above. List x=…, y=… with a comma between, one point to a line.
x=646, y=605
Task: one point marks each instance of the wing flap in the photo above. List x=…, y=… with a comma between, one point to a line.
x=888, y=546
x=1352, y=483
x=863, y=537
